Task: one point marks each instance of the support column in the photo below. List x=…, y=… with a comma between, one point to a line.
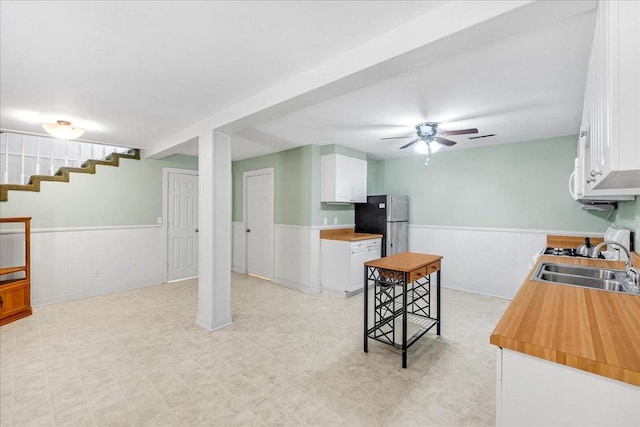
x=214, y=259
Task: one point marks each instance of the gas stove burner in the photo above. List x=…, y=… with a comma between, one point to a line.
x=561, y=251
x=565, y=252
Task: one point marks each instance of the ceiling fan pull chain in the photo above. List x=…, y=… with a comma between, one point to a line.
x=426, y=161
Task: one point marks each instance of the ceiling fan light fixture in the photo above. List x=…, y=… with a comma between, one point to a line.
x=426, y=130
x=62, y=129
x=421, y=147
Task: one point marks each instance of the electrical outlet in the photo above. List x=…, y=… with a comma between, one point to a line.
x=98, y=273
x=335, y=220
x=159, y=220
x=325, y=221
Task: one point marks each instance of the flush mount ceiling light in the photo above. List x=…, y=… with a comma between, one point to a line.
x=62, y=129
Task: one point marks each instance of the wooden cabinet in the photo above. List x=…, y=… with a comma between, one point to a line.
x=343, y=179
x=609, y=145
x=342, y=264
x=15, y=280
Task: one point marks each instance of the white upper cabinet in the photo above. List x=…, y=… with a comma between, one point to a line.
x=610, y=131
x=344, y=179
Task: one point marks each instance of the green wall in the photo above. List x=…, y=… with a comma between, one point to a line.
x=297, y=187
x=130, y=194
x=292, y=175
x=519, y=185
x=628, y=216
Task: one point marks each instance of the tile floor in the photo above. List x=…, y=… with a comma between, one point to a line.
x=138, y=358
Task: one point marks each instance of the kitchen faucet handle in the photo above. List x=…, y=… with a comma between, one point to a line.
x=633, y=275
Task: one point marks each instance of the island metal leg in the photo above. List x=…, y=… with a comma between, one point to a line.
x=404, y=319
x=438, y=302
x=366, y=311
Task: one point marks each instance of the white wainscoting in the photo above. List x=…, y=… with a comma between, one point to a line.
x=487, y=261
x=68, y=264
x=482, y=260
x=296, y=256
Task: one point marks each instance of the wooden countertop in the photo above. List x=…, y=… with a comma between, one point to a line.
x=404, y=261
x=347, y=235
x=596, y=331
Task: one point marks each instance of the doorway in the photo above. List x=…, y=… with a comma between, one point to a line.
x=259, y=221
x=182, y=223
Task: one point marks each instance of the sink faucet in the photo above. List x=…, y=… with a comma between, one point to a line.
x=632, y=274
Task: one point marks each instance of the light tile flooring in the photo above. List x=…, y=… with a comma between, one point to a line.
x=138, y=358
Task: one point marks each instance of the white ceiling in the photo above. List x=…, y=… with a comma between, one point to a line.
x=134, y=72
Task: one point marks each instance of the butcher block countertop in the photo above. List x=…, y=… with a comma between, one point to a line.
x=347, y=235
x=593, y=330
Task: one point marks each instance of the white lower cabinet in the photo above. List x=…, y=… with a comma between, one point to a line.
x=536, y=392
x=342, y=264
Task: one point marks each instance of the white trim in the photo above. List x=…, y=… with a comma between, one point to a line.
x=182, y=280
x=296, y=227
x=265, y=171
x=68, y=229
x=317, y=227
x=296, y=286
x=216, y=325
x=165, y=225
x=332, y=227
x=510, y=230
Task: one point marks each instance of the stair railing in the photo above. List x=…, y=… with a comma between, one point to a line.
x=24, y=155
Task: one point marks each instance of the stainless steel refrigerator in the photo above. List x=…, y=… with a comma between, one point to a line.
x=387, y=215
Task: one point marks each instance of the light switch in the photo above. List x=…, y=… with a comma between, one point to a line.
x=159, y=219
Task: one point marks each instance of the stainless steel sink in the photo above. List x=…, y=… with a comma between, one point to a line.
x=588, y=277
x=581, y=271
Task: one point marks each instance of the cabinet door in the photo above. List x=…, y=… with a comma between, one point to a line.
x=600, y=98
x=358, y=258
x=14, y=299
x=358, y=180
x=335, y=176
x=343, y=178
x=614, y=160
x=335, y=268
x=374, y=250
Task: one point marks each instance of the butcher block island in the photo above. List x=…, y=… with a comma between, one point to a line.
x=569, y=354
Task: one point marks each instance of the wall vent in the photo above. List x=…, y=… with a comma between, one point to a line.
x=482, y=136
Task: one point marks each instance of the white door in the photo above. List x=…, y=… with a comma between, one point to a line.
x=258, y=220
x=182, y=223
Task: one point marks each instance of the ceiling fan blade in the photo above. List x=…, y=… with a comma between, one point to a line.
x=397, y=137
x=410, y=144
x=459, y=132
x=444, y=141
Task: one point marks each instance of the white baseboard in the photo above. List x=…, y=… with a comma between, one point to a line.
x=296, y=286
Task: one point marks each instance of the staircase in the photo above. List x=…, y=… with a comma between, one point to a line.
x=63, y=173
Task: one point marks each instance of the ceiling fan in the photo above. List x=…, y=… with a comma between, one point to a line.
x=429, y=132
